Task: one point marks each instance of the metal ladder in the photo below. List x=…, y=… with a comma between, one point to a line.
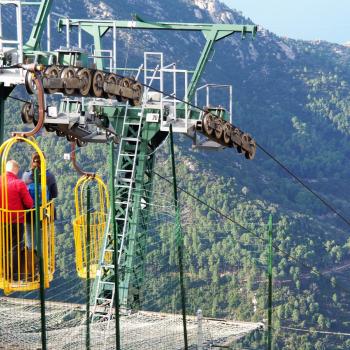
x=124, y=181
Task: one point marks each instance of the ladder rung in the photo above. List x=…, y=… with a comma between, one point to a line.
x=104, y=282
x=104, y=299
x=119, y=202
x=130, y=139
x=122, y=186
x=124, y=179
x=127, y=154
x=124, y=170
x=132, y=123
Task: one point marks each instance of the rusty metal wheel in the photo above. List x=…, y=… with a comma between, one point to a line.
x=244, y=148
x=29, y=84
x=97, y=84
x=219, y=128
x=252, y=149
x=70, y=138
x=208, y=124
x=245, y=139
x=68, y=73
x=52, y=72
x=85, y=77
x=80, y=143
x=227, y=133
x=27, y=113
x=236, y=137
x=137, y=88
x=124, y=83
x=112, y=79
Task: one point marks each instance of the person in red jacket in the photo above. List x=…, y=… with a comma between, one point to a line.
x=17, y=199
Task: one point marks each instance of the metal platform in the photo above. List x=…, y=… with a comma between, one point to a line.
x=20, y=328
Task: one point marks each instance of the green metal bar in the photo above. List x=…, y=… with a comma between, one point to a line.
x=116, y=244
x=201, y=64
x=39, y=247
x=40, y=22
x=98, y=47
x=179, y=238
x=269, y=315
x=88, y=237
x=139, y=24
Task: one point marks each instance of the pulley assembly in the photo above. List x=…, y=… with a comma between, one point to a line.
x=73, y=81
x=223, y=132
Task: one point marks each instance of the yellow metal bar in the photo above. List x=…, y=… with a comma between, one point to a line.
x=11, y=255
x=97, y=223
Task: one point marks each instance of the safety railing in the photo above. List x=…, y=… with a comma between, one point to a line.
x=19, y=263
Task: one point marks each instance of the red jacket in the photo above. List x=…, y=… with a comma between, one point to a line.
x=18, y=197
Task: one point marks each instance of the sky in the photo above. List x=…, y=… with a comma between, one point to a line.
x=300, y=19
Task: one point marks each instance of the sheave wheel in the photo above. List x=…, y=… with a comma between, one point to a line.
x=112, y=80
x=219, y=128
x=85, y=76
x=207, y=124
x=124, y=83
x=68, y=73
x=27, y=113
x=227, y=133
x=97, y=84
x=29, y=84
x=137, y=88
x=52, y=72
x=252, y=149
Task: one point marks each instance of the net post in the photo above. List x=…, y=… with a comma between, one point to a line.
x=39, y=248
x=88, y=207
x=115, y=246
x=179, y=238
x=269, y=314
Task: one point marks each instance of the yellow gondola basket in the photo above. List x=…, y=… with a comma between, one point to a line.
x=19, y=262
x=98, y=222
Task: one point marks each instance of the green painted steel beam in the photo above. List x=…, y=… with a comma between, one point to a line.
x=137, y=24
x=211, y=32
x=40, y=21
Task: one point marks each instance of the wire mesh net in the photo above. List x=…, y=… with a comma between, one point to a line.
x=212, y=285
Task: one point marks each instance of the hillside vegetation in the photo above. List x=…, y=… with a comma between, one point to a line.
x=294, y=98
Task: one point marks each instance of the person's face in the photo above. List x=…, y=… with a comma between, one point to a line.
x=36, y=162
x=16, y=170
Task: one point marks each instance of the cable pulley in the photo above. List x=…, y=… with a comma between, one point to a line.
x=74, y=81
x=223, y=132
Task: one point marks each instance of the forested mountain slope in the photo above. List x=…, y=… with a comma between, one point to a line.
x=294, y=98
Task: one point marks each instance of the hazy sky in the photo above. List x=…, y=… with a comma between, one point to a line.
x=300, y=19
